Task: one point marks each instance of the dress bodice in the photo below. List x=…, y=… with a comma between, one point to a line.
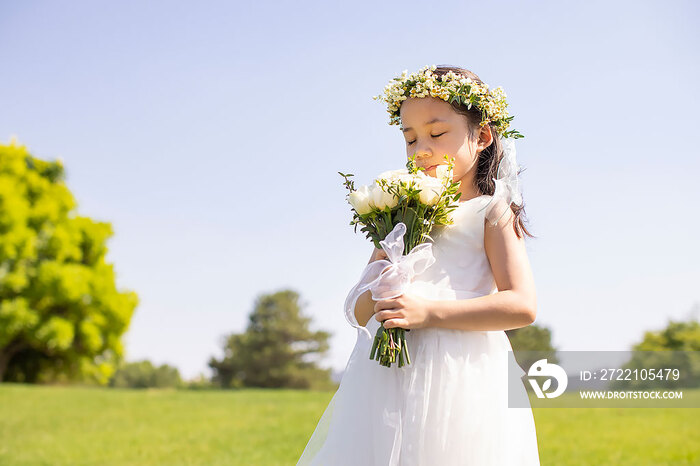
x=461, y=268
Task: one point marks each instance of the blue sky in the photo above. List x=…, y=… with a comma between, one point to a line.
x=210, y=136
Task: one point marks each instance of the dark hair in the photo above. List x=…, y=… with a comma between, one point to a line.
x=490, y=157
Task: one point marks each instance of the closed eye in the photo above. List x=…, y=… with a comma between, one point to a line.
x=433, y=135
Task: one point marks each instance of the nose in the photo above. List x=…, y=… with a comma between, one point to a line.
x=423, y=151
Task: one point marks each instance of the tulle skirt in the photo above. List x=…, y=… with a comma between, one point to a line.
x=448, y=407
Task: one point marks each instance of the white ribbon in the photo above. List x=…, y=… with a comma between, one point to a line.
x=507, y=190
x=400, y=270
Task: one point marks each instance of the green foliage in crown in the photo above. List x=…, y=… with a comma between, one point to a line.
x=449, y=87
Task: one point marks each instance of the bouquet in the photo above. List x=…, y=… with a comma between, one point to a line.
x=397, y=213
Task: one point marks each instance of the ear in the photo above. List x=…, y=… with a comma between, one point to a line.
x=485, y=138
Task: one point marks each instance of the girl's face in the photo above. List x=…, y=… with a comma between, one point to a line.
x=432, y=129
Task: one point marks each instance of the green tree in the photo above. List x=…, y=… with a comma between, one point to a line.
x=200, y=382
x=677, y=346
x=274, y=350
x=143, y=374
x=61, y=316
x=532, y=343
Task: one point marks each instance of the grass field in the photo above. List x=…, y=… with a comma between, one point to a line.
x=100, y=426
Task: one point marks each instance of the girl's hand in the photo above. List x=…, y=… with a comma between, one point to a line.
x=405, y=311
x=378, y=254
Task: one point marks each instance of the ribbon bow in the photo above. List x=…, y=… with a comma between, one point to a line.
x=508, y=171
x=389, y=278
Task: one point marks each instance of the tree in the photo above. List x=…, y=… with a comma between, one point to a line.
x=200, y=382
x=143, y=374
x=677, y=346
x=532, y=343
x=61, y=316
x=274, y=350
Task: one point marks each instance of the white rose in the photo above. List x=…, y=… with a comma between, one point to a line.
x=442, y=172
x=391, y=200
x=380, y=199
x=359, y=200
x=392, y=175
x=408, y=181
x=431, y=190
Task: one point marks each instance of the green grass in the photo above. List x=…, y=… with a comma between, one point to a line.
x=618, y=436
x=100, y=426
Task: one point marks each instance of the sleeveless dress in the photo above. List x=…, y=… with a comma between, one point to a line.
x=449, y=406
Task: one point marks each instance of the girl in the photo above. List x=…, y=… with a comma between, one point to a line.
x=449, y=406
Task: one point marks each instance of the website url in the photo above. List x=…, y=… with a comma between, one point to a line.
x=630, y=395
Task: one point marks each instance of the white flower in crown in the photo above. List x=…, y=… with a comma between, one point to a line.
x=449, y=87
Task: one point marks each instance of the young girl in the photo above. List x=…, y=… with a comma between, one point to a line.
x=449, y=406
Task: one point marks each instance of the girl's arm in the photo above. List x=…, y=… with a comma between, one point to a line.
x=513, y=306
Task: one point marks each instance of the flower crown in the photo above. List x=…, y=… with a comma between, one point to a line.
x=449, y=87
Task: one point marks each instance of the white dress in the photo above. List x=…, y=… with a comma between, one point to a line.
x=449, y=406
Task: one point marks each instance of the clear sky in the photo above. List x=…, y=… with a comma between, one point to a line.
x=210, y=136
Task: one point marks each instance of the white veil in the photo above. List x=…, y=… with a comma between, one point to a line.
x=507, y=185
